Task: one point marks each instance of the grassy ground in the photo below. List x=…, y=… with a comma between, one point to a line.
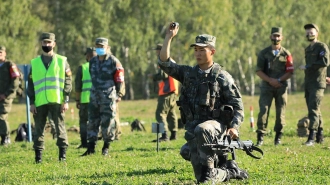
x=134, y=159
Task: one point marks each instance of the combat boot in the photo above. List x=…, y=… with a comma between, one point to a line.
x=310, y=140
x=83, y=143
x=234, y=172
x=163, y=138
x=38, y=156
x=319, y=135
x=278, y=137
x=173, y=135
x=5, y=140
x=260, y=139
x=62, y=154
x=90, y=149
x=211, y=175
x=105, y=148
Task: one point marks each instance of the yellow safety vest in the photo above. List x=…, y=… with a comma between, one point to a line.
x=48, y=83
x=86, y=83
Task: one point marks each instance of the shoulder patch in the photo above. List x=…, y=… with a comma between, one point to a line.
x=14, y=71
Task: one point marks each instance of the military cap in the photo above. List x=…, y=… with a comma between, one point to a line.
x=89, y=50
x=102, y=41
x=47, y=36
x=204, y=40
x=311, y=25
x=158, y=47
x=276, y=31
x=2, y=48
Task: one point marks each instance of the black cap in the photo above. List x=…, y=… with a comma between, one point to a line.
x=89, y=50
x=311, y=25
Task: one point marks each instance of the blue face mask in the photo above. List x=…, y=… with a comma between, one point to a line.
x=100, y=51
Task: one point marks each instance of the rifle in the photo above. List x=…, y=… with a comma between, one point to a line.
x=226, y=146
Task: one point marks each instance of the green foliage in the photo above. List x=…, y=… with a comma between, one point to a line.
x=242, y=29
x=134, y=159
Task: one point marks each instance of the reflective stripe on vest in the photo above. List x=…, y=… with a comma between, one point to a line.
x=86, y=83
x=48, y=83
x=167, y=86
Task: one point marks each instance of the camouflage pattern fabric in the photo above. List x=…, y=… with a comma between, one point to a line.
x=197, y=93
x=5, y=107
x=102, y=106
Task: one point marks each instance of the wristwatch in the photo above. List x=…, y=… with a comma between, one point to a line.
x=279, y=80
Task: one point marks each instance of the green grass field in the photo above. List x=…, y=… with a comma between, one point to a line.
x=134, y=159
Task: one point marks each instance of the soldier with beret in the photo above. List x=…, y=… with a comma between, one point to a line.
x=168, y=89
x=83, y=84
x=274, y=67
x=206, y=90
x=317, y=60
x=107, y=75
x=49, y=87
x=9, y=82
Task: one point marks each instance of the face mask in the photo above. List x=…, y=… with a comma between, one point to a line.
x=47, y=49
x=310, y=37
x=275, y=42
x=100, y=51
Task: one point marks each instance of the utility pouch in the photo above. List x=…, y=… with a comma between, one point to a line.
x=204, y=94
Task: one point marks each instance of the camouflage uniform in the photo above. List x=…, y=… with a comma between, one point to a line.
x=317, y=60
x=9, y=81
x=274, y=65
x=203, y=93
x=104, y=92
x=54, y=109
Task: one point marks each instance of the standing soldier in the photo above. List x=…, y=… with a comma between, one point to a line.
x=107, y=76
x=83, y=84
x=49, y=89
x=9, y=81
x=166, y=103
x=274, y=67
x=317, y=60
x=206, y=90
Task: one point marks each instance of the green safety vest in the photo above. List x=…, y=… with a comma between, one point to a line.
x=48, y=83
x=86, y=83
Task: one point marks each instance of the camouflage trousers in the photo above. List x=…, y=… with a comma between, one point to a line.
x=313, y=98
x=117, y=120
x=165, y=112
x=267, y=94
x=5, y=107
x=101, y=113
x=40, y=119
x=204, y=133
x=83, y=120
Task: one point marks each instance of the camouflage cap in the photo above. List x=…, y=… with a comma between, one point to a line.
x=158, y=47
x=2, y=48
x=204, y=40
x=276, y=31
x=102, y=41
x=47, y=36
x=89, y=50
x=311, y=25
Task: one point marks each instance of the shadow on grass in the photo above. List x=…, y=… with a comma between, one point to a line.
x=129, y=149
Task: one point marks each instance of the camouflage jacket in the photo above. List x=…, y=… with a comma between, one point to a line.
x=102, y=75
x=196, y=85
x=9, y=80
x=317, y=60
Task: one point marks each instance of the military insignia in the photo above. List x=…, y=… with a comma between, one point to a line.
x=14, y=71
x=68, y=72
x=198, y=40
x=322, y=53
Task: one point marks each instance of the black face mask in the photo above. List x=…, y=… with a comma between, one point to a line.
x=310, y=37
x=47, y=48
x=275, y=42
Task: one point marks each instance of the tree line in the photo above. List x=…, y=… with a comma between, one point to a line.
x=134, y=27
